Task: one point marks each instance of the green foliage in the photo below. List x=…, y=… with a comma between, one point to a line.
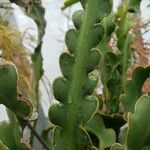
x=106, y=137
x=139, y=124
x=8, y=91
x=133, y=88
x=120, y=95
x=10, y=135
x=68, y=3
x=9, y=96
x=71, y=90
x=134, y=5
x=37, y=62
x=37, y=12
x=82, y=120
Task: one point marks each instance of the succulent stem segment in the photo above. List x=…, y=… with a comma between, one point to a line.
x=77, y=105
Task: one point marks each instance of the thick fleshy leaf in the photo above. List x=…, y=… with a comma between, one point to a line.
x=134, y=5
x=133, y=88
x=111, y=79
x=90, y=84
x=10, y=135
x=38, y=63
x=106, y=136
x=82, y=141
x=69, y=3
x=57, y=115
x=109, y=25
x=93, y=60
x=77, y=19
x=71, y=39
x=97, y=35
x=37, y=12
x=103, y=5
x=139, y=124
x=66, y=62
x=8, y=90
x=91, y=104
x=61, y=89
x=78, y=107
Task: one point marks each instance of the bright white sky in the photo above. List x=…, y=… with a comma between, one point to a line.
x=53, y=46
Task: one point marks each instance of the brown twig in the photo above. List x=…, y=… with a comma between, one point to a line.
x=37, y=135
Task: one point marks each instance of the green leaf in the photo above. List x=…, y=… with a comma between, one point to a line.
x=103, y=5
x=37, y=12
x=77, y=19
x=37, y=63
x=82, y=141
x=68, y=3
x=90, y=104
x=60, y=89
x=90, y=84
x=108, y=23
x=66, y=62
x=8, y=91
x=73, y=112
x=93, y=60
x=133, y=88
x=71, y=39
x=57, y=115
x=139, y=124
x=106, y=136
x=10, y=135
x=134, y=5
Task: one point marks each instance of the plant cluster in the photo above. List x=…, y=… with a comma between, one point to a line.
x=100, y=47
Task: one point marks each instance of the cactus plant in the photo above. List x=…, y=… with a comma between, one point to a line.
x=71, y=114
x=82, y=119
x=117, y=91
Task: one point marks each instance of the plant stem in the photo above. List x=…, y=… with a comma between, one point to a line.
x=36, y=135
x=79, y=73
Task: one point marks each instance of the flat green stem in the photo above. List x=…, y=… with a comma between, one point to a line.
x=79, y=73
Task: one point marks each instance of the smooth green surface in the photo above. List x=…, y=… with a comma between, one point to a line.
x=133, y=88
x=139, y=125
x=106, y=137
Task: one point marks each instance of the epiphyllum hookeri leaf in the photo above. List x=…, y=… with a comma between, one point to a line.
x=134, y=5
x=8, y=90
x=82, y=141
x=106, y=136
x=133, y=88
x=71, y=114
x=68, y=3
x=10, y=136
x=139, y=131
